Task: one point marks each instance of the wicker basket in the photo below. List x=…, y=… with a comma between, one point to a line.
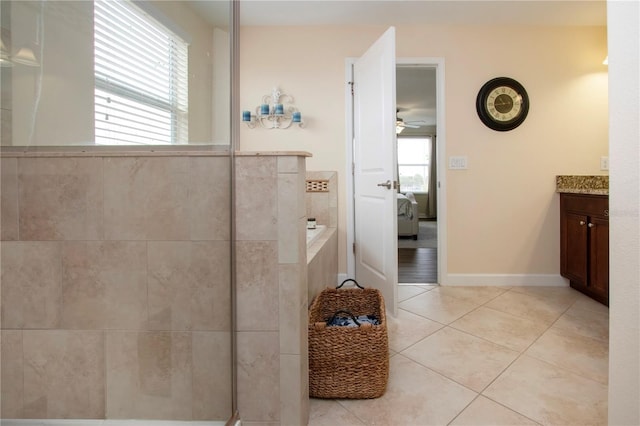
x=348, y=362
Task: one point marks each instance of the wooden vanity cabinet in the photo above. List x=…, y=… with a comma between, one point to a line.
x=584, y=243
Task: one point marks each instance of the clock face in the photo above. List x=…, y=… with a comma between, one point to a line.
x=502, y=104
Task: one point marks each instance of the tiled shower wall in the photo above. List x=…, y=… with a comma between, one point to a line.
x=323, y=205
x=323, y=255
x=271, y=283
x=115, y=286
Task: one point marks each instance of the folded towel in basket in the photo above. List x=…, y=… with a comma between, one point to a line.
x=349, y=321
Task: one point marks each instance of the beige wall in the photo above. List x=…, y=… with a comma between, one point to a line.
x=502, y=212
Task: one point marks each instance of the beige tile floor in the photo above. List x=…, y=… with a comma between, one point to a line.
x=488, y=356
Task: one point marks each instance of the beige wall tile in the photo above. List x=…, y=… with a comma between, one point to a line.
x=31, y=284
x=294, y=407
x=8, y=198
x=60, y=198
x=291, y=164
x=256, y=198
x=210, y=283
x=146, y=198
x=333, y=200
x=167, y=198
x=104, y=285
x=125, y=198
x=258, y=376
x=323, y=205
x=318, y=207
x=302, y=190
x=211, y=375
x=149, y=375
x=169, y=295
x=189, y=285
x=64, y=374
x=323, y=267
x=257, y=285
x=289, y=240
x=11, y=394
x=293, y=296
x=209, y=198
x=93, y=284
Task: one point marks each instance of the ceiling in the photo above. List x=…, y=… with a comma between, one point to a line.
x=416, y=95
x=415, y=86
x=403, y=12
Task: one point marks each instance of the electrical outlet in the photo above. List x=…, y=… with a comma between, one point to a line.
x=604, y=163
x=458, y=163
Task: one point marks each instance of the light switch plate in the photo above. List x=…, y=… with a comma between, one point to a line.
x=458, y=163
x=604, y=163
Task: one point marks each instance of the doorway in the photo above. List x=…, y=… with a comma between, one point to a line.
x=441, y=223
x=416, y=129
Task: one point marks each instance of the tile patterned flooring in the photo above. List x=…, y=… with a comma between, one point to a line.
x=488, y=356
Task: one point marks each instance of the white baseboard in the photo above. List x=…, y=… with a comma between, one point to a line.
x=505, y=280
x=498, y=280
x=97, y=422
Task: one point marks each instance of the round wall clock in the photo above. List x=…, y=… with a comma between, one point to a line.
x=502, y=104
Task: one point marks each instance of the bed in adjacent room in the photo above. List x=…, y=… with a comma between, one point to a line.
x=407, y=215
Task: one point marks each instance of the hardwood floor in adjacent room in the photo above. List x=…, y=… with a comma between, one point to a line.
x=418, y=265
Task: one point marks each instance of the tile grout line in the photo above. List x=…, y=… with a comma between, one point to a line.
x=520, y=355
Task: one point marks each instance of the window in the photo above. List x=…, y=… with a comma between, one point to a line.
x=413, y=163
x=140, y=78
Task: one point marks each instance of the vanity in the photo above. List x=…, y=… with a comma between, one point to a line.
x=584, y=234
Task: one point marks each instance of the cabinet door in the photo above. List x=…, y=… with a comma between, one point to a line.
x=599, y=258
x=574, y=238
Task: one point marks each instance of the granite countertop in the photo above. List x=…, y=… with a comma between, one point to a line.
x=580, y=184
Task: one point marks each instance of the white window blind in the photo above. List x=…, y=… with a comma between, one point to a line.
x=141, y=79
x=414, y=161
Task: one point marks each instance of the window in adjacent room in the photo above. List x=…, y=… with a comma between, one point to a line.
x=413, y=163
x=141, y=79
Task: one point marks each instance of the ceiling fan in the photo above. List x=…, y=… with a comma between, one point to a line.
x=401, y=124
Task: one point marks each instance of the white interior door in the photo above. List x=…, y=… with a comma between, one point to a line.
x=375, y=174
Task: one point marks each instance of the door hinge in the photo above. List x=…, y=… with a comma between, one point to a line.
x=354, y=248
x=351, y=83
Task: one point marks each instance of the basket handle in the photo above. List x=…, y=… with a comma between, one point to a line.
x=350, y=279
x=344, y=312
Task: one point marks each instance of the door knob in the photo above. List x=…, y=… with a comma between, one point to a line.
x=591, y=225
x=582, y=223
x=386, y=184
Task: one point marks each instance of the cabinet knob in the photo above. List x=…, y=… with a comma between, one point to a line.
x=591, y=225
x=582, y=223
